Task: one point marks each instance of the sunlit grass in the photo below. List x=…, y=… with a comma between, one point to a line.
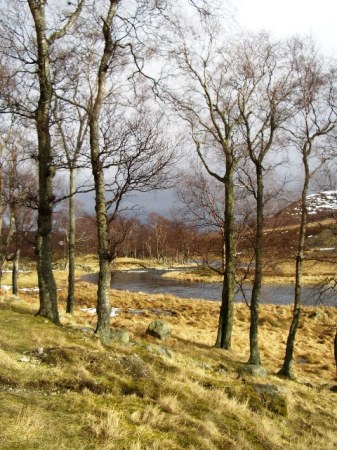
x=83, y=395
x=199, y=274
x=96, y=399
x=278, y=273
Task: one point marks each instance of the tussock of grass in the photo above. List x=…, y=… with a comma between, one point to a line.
x=83, y=395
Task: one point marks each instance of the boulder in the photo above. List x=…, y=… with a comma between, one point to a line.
x=271, y=398
x=25, y=359
x=159, y=329
x=119, y=335
x=254, y=370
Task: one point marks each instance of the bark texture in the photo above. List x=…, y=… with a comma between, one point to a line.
x=287, y=368
x=15, y=273
x=104, y=254
x=254, y=357
x=71, y=243
x=44, y=43
x=47, y=287
x=225, y=327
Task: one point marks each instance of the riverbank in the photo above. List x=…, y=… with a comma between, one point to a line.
x=275, y=273
x=60, y=388
x=279, y=273
x=156, y=281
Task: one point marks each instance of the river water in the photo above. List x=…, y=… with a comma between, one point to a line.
x=151, y=282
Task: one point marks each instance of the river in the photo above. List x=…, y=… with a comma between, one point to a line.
x=151, y=282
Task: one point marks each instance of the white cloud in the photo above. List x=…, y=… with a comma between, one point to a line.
x=292, y=17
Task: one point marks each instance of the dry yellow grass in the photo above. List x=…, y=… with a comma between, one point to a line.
x=282, y=272
x=84, y=395
x=191, y=275
x=134, y=263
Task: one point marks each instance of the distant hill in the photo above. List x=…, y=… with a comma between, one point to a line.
x=322, y=202
x=321, y=232
x=320, y=205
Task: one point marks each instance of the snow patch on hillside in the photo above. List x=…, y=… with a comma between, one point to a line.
x=326, y=200
x=320, y=202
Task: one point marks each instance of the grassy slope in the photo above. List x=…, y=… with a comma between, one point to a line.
x=81, y=395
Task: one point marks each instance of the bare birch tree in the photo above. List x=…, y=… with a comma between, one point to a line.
x=17, y=180
x=127, y=150
x=29, y=48
x=309, y=135
x=265, y=86
x=71, y=124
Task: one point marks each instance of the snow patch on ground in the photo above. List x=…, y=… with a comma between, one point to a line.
x=114, y=311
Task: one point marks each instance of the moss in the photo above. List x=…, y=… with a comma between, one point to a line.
x=261, y=397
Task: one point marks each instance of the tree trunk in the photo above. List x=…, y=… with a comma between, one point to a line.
x=15, y=272
x=287, y=368
x=104, y=254
x=47, y=286
x=335, y=351
x=254, y=357
x=104, y=280
x=224, y=336
x=71, y=242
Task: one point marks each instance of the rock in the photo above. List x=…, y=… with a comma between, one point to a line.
x=162, y=351
x=201, y=364
x=120, y=336
x=334, y=389
x=40, y=351
x=159, y=329
x=24, y=359
x=88, y=330
x=222, y=369
x=271, y=398
x=254, y=370
x=260, y=397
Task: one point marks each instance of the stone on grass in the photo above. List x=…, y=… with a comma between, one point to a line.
x=272, y=398
x=120, y=336
x=159, y=329
x=254, y=370
x=88, y=330
x=161, y=351
x=260, y=397
x=24, y=359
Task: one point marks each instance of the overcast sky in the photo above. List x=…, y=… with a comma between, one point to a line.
x=292, y=17
x=282, y=19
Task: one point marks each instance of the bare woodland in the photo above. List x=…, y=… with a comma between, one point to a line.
x=128, y=91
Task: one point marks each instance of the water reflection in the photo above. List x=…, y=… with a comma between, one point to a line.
x=150, y=281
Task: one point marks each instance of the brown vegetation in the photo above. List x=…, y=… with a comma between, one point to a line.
x=180, y=393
